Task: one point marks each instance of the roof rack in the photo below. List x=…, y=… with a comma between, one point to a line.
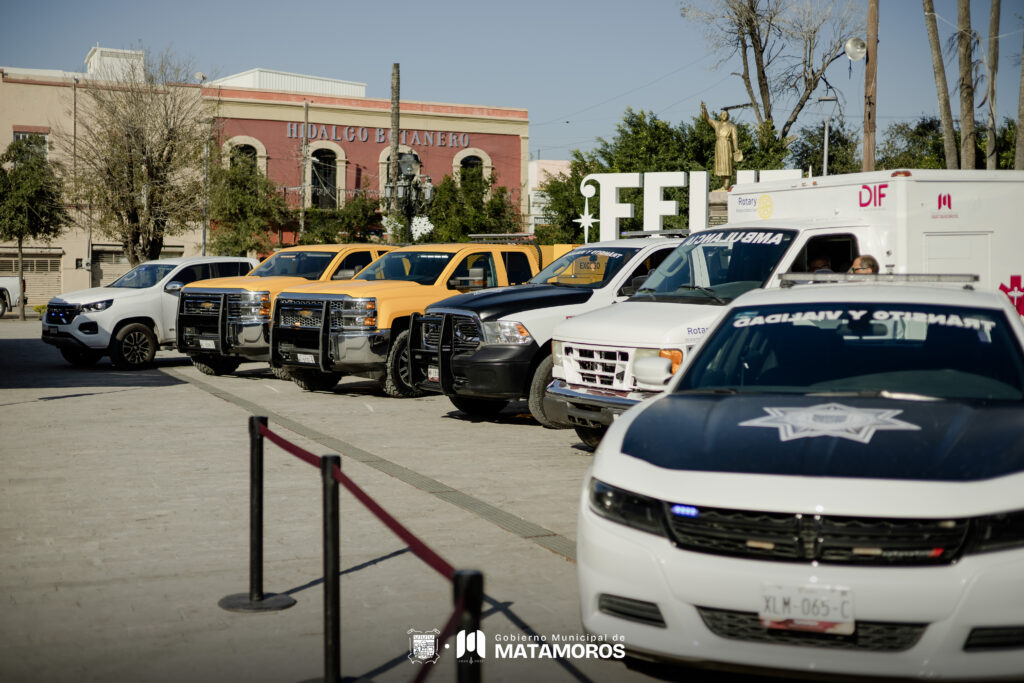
x=790, y=279
x=504, y=237
x=656, y=233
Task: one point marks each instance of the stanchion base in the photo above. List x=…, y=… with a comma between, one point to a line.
x=271, y=602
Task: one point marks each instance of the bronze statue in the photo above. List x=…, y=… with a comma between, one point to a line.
x=727, y=145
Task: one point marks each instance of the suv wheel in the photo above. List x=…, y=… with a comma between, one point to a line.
x=215, y=365
x=81, y=358
x=591, y=436
x=3, y=304
x=314, y=380
x=396, y=374
x=134, y=347
x=478, y=407
x=539, y=384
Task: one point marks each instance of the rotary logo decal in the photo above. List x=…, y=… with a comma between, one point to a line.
x=830, y=419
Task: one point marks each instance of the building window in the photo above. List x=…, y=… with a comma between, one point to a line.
x=42, y=138
x=325, y=179
x=472, y=162
x=243, y=154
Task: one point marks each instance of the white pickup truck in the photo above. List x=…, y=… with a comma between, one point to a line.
x=9, y=293
x=132, y=317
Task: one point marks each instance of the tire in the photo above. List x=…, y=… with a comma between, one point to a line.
x=591, y=436
x=396, y=372
x=281, y=373
x=478, y=407
x=134, y=347
x=215, y=365
x=314, y=380
x=3, y=304
x=539, y=384
x=81, y=358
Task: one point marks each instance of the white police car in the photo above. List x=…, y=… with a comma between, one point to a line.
x=833, y=483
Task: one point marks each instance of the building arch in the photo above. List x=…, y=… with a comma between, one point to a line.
x=242, y=140
x=382, y=166
x=341, y=164
x=469, y=157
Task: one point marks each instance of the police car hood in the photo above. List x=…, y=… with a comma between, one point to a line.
x=495, y=303
x=88, y=296
x=820, y=454
x=640, y=324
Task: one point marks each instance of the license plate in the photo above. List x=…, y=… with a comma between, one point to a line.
x=51, y=329
x=207, y=344
x=306, y=358
x=432, y=373
x=821, y=609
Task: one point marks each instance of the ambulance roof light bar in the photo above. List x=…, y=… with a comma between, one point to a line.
x=790, y=279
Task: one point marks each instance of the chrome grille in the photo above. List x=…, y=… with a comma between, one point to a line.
x=604, y=367
x=300, y=313
x=466, y=334
x=827, y=539
x=200, y=304
x=61, y=314
x=877, y=636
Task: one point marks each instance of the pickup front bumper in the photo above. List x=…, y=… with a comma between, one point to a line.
x=569, y=407
x=448, y=357
x=207, y=325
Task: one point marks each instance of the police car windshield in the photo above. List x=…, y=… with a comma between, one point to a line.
x=718, y=265
x=587, y=267
x=143, y=276
x=423, y=267
x=862, y=349
x=307, y=264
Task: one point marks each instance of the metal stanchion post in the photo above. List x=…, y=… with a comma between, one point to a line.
x=255, y=600
x=332, y=571
x=469, y=585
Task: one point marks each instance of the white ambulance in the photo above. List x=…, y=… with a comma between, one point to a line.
x=911, y=221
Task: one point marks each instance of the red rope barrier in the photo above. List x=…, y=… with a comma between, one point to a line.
x=432, y=559
x=299, y=453
x=446, y=633
x=418, y=547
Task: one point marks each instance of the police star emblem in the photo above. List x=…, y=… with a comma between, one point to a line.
x=423, y=646
x=830, y=419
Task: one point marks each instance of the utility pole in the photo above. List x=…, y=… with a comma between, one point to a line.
x=302, y=172
x=870, y=89
x=393, y=160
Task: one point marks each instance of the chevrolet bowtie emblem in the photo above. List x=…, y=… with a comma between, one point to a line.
x=305, y=313
x=207, y=305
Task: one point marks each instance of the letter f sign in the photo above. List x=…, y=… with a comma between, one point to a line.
x=470, y=642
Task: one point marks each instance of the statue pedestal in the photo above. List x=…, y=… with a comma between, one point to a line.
x=718, y=208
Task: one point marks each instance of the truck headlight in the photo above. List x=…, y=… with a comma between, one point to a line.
x=625, y=507
x=352, y=313
x=97, y=306
x=506, y=332
x=251, y=306
x=556, y=353
x=674, y=355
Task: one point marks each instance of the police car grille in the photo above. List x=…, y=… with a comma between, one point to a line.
x=201, y=304
x=599, y=367
x=430, y=331
x=465, y=332
x=877, y=636
x=300, y=313
x=60, y=314
x=826, y=539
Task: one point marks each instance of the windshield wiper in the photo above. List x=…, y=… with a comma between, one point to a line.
x=880, y=393
x=703, y=290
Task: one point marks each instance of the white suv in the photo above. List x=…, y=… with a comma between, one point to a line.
x=831, y=484
x=132, y=317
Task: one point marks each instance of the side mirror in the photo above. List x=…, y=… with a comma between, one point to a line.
x=653, y=371
x=344, y=274
x=173, y=287
x=635, y=284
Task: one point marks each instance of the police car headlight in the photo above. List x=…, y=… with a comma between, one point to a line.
x=506, y=332
x=624, y=507
x=97, y=306
x=674, y=355
x=1000, y=532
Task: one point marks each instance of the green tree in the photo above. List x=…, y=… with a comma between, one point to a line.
x=31, y=200
x=139, y=145
x=473, y=205
x=807, y=151
x=245, y=207
x=357, y=220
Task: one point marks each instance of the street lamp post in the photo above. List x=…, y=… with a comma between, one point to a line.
x=410, y=192
x=828, y=119
x=201, y=77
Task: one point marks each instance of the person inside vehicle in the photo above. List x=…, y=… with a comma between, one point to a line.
x=819, y=264
x=864, y=264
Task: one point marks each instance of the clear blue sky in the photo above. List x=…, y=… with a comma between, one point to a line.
x=574, y=65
